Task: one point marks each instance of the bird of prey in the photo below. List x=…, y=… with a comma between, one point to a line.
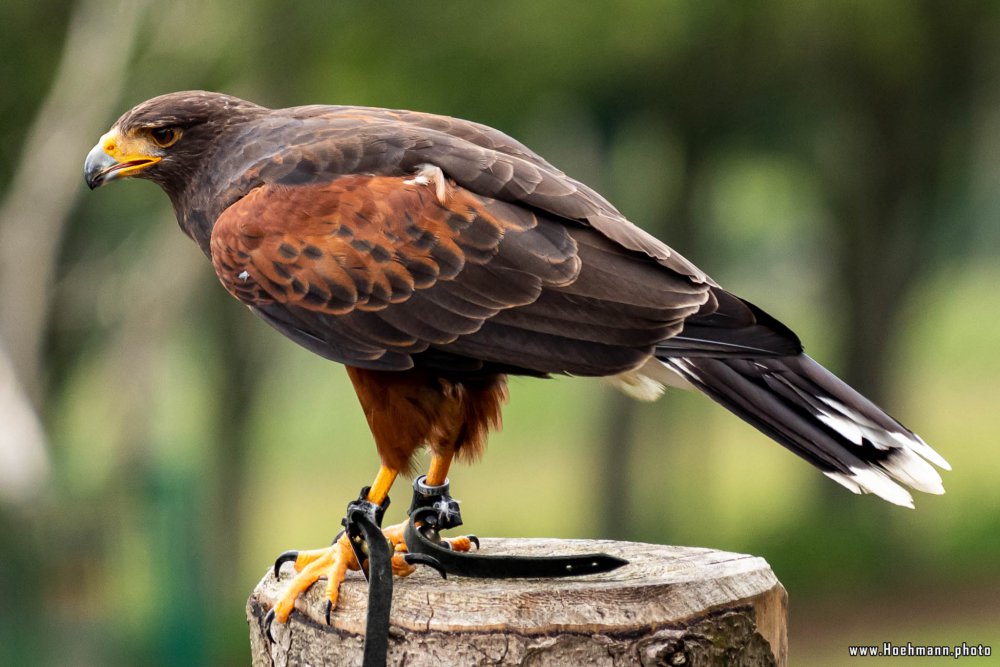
x=434, y=257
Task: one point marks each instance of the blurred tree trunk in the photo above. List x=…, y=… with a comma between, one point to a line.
x=894, y=166
x=878, y=268
x=238, y=387
x=887, y=201
x=87, y=87
x=616, y=447
x=618, y=441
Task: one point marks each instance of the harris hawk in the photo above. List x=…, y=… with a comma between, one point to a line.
x=434, y=257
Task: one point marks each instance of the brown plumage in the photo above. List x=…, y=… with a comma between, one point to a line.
x=407, y=409
x=434, y=256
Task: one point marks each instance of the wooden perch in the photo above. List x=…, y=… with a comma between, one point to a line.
x=669, y=606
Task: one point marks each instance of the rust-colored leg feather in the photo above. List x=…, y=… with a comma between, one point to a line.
x=406, y=410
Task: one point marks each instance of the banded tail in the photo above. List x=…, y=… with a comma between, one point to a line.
x=754, y=366
x=818, y=416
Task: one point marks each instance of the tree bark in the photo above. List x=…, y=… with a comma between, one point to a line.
x=669, y=606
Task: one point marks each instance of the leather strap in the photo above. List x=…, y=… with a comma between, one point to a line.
x=433, y=509
x=502, y=567
x=370, y=544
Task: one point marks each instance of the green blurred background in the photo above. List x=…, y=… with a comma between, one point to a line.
x=836, y=163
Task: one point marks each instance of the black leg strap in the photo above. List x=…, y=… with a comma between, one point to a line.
x=362, y=507
x=433, y=510
x=363, y=524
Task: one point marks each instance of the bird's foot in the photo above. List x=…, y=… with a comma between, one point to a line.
x=330, y=563
x=333, y=562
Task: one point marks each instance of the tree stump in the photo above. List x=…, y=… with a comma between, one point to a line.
x=669, y=606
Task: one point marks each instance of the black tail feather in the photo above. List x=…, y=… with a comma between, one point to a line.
x=803, y=406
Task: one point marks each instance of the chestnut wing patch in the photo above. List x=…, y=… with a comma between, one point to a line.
x=363, y=269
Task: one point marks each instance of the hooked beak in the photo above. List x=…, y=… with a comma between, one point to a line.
x=106, y=162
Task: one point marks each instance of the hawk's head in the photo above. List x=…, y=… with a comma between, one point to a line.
x=164, y=138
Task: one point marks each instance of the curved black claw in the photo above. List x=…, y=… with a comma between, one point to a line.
x=474, y=540
x=429, y=561
x=268, y=620
x=329, y=610
x=288, y=556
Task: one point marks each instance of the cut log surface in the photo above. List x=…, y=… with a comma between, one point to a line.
x=669, y=606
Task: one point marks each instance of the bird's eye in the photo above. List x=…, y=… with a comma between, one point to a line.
x=165, y=136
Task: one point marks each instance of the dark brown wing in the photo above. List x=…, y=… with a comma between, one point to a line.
x=387, y=272
x=321, y=142
x=490, y=163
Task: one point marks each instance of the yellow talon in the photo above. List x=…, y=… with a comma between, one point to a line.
x=333, y=562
